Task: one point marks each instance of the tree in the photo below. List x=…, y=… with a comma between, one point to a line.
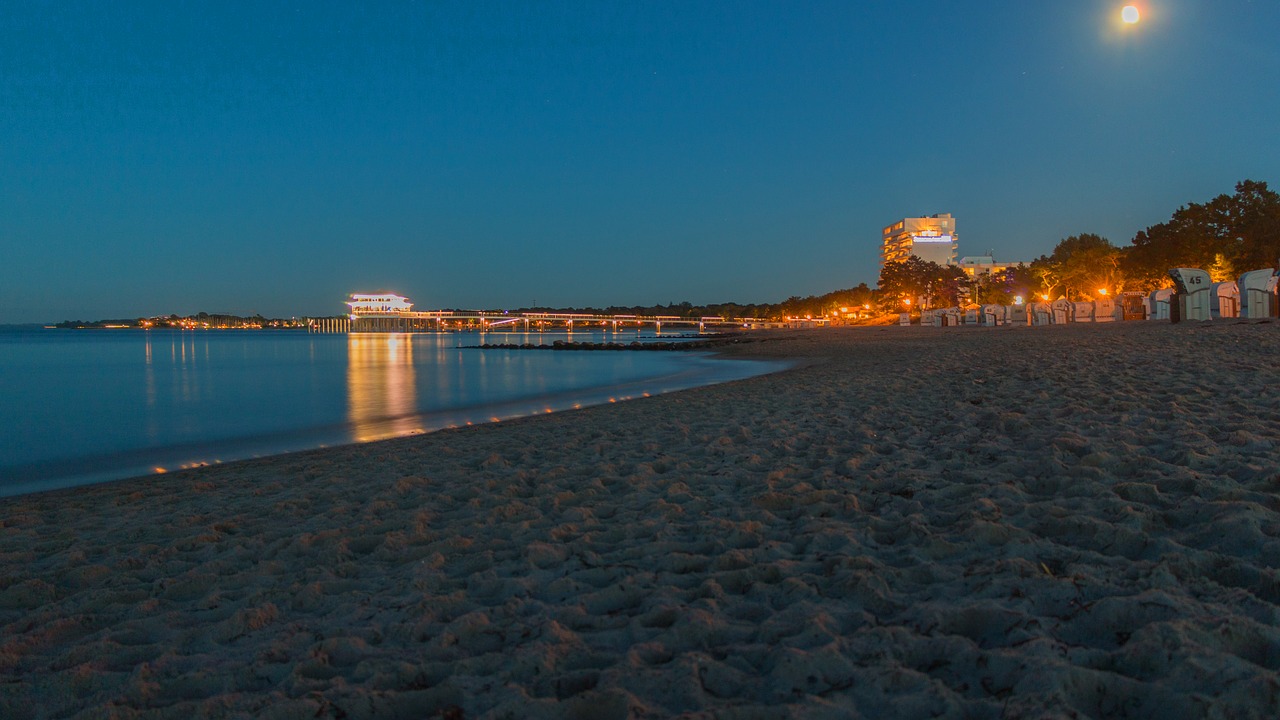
x=912, y=282
x=1018, y=281
x=1249, y=223
x=902, y=282
x=1082, y=264
x=946, y=286
x=1002, y=287
x=1047, y=275
x=1227, y=236
x=1188, y=239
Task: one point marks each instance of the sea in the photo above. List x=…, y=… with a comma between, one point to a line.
x=87, y=406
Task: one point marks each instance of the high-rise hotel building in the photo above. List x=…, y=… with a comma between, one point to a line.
x=930, y=238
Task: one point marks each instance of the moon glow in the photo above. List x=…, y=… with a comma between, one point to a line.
x=1129, y=14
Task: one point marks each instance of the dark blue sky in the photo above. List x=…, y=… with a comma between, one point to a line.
x=272, y=157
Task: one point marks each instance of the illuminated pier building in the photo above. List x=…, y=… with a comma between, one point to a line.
x=931, y=238
x=381, y=304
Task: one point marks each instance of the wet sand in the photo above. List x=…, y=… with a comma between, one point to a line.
x=958, y=522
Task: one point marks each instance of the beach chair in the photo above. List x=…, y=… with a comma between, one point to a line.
x=1193, y=295
x=1104, y=310
x=1082, y=312
x=993, y=315
x=1224, y=299
x=1131, y=306
x=1258, y=293
x=1040, y=313
x=1160, y=304
x=1061, y=309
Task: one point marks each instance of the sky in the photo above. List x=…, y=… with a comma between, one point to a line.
x=273, y=157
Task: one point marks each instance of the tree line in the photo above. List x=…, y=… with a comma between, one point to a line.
x=1226, y=236
x=203, y=319
x=794, y=306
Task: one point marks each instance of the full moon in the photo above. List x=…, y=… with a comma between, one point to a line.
x=1129, y=14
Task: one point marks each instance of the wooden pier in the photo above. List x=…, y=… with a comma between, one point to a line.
x=329, y=325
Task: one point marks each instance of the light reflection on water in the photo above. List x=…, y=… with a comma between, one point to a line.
x=382, y=396
x=86, y=406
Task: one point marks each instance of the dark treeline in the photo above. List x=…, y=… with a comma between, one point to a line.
x=1226, y=236
x=119, y=322
x=794, y=306
x=203, y=319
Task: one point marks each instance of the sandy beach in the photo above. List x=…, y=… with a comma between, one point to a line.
x=1062, y=521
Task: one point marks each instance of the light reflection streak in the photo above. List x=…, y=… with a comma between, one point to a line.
x=149, y=379
x=150, y=376
x=381, y=392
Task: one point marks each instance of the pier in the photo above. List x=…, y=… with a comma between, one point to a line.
x=329, y=325
x=386, y=312
x=481, y=321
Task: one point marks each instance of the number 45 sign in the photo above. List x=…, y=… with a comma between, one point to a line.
x=1190, y=279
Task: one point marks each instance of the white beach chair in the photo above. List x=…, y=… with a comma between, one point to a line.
x=1104, y=310
x=1061, y=309
x=1224, y=299
x=993, y=315
x=1258, y=293
x=1040, y=313
x=1194, y=293
x=1160, y=300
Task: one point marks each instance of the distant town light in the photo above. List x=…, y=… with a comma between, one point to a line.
x=1017, y=300
x=1102, y=291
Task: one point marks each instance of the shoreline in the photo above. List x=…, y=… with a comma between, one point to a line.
x=916, y=521
x=143, y=463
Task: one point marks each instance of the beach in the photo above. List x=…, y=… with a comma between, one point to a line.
x=1059, y=521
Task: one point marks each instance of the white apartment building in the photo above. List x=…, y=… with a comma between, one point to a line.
x=931, y=238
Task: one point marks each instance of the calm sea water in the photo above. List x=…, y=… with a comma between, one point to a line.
x=88, y=406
